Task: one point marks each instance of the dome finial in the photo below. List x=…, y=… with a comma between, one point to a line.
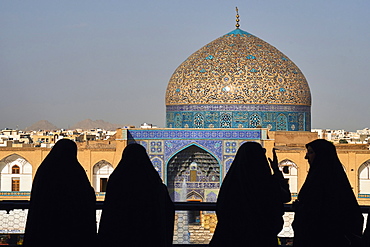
x=237, y=18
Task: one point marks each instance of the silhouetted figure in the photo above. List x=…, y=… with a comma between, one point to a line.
x=62, y=205
x=138, y=211
x=366, y=237
x=327, y=213
x=250, y=203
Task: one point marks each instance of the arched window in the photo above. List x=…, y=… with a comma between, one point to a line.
x=193, y=171
x=226, y=120
x=281, y=122
x=15, y=169
x=255, y=120
x=198, y=120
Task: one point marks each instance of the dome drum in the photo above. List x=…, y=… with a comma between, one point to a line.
x=273, y=117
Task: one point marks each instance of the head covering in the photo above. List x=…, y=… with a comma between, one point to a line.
x=249, y=209
x=327, y=204
x=137, y=208
x=62, y=205
x=250, y=173
x=326, y=174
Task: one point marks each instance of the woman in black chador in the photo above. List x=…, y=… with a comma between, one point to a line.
x=250, y=203
x=366, y=236
x=62, y=204
x=138, y=211
x=326, y=213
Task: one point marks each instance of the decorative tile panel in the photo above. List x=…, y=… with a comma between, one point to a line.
x=193, y=134
x=273, y=120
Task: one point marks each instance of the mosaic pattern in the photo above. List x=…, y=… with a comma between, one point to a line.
x=163, y=144
x=230, y=147
x=237, y=69
x=211, y=197
x=192, y=170
x=162, y=134
x=200, y=186
x=275, y=121
x=156, y=147
x=173, y=146
x=157, y=163
x=255, y=107
x=228, y=163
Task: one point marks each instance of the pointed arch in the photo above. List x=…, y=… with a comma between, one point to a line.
x=226, y=120
x=255, y=120
x=101, y=172
x=198, y=120
x=364, y=178
x=193, y=144
x=157, y=163
x=15, y=173
x=290, y=171
x=198, y=167
x=194, y=196
x=281, y=122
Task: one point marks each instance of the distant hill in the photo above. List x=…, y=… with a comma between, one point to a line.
x=90, y=124
x=41, y=125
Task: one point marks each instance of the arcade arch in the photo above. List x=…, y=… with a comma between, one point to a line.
x=192, y=169
x=101, y=173
x=364, y=178
x=15, y=174
x=290, y=172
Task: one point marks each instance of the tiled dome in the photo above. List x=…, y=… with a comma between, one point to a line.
x=238, y=80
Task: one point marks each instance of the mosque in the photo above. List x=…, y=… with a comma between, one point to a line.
x=234, y=89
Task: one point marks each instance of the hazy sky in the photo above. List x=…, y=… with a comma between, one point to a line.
x=65, y=61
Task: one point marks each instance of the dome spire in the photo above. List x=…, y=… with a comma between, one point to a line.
x=237, y=18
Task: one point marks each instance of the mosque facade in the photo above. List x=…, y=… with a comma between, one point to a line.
x=193, y=160
x=232, y=90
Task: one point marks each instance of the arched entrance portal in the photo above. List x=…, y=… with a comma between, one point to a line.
x=192, y=174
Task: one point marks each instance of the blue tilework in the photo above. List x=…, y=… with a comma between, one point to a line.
x=211, y=197
x=157, y=163
x=273, y=117
x=238, y=31
x=163, y=144
x=214, y=147
x=193, y=134
x=239, y=107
